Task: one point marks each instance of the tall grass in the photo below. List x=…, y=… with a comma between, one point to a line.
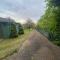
x=10, y=46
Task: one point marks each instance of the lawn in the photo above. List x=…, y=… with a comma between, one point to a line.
x=10, y=46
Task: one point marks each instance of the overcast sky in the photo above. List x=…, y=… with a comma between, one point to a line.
x=20, y=10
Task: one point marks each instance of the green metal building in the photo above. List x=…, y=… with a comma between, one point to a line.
x=6, y=26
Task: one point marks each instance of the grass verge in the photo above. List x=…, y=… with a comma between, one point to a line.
x=10, y=46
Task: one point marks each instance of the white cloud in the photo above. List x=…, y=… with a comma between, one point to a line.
x=22, y=9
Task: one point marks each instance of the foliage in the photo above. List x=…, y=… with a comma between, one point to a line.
x=16, y=29
x=29, y=24
x=21, y=31
x=13, y=32
x=50, y=21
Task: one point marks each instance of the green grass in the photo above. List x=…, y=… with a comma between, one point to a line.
x=10, y=46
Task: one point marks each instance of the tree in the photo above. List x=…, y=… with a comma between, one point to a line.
x=29, y=24
x=50, y=21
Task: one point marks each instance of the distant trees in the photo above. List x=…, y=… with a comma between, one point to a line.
x=50, y=21
x=29, y=24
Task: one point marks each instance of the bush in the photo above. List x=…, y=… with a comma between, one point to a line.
x=13, y=32
x=21, y=31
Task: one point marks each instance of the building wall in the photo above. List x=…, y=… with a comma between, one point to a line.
x=6, y=30
x=1, y=31
x=5, y=27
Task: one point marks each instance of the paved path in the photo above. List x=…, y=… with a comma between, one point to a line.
x=37, y=47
